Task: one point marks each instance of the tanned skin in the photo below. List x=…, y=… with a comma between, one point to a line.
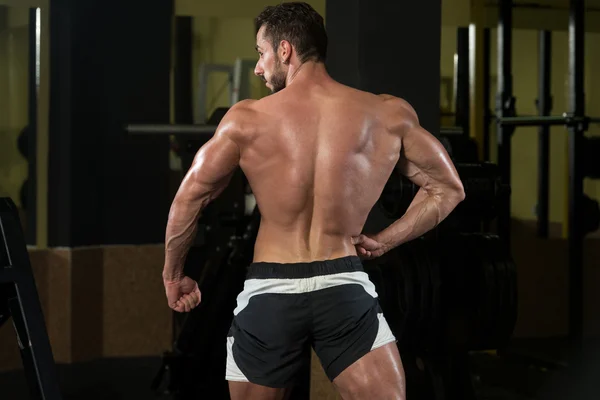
x=317, y=155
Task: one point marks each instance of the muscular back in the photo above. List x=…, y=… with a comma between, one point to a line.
x=317, y=156
x=317, y=160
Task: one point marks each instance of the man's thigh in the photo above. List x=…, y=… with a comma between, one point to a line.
x=348, y=324
x=251, y=391
x=377, y=375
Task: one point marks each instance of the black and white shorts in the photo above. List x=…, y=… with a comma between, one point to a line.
x=285, y=309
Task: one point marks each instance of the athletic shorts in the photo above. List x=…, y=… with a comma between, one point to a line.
x=285, y=309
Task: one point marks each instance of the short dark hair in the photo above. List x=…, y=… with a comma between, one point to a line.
x=299, y=24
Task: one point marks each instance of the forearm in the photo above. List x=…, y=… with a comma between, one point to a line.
x=208, y=176
x=425, y=212
x=180, y=233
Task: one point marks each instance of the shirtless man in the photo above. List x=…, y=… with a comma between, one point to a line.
x=317, y=155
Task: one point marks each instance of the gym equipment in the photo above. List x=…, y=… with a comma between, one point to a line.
x=206, y=131
x=461, y=80
x=204, y=72
x=238, y=79
x=28, y=134
x=461, y=148
x=19, y=299
x=577, y=123
x=455, y=291
x=544, y=105
x=485, y=194
x=462, y=93
x=554, y=120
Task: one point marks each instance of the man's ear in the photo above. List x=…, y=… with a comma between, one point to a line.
x=285, y=51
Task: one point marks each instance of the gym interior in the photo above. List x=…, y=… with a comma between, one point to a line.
x=103, y=105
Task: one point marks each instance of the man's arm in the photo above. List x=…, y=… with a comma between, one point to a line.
x=208, y=176
x=426, y=163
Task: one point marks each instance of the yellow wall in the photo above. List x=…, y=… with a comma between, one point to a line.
x=224, y=31
x=14, y=60
x=25, y=3
x=221, y=41
x=4, y=112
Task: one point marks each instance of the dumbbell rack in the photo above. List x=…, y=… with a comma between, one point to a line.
x=19, y=298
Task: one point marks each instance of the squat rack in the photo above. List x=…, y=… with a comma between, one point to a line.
x=577, y=123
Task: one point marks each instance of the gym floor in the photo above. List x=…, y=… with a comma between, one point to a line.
x=513, y=377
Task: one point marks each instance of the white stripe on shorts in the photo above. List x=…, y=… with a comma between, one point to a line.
x=255, y=287
x=232, y=371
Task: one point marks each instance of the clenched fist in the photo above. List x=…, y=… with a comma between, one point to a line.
x=368, y=247
x=183, y=295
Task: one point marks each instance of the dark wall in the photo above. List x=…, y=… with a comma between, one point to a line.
x=183, y=71
x=110, y=65
x=392, y=47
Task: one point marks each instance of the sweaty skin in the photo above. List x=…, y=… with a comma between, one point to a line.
x=317, y=155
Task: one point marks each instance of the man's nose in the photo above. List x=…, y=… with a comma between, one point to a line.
x=258, y=71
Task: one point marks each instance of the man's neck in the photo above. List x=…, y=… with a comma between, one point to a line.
x=309, y=71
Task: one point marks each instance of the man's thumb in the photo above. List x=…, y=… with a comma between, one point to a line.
x=357, y=239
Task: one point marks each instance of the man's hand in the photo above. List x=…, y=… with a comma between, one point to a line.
x=368, y=247
x=183, y=295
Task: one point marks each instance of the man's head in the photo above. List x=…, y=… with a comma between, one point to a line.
x=287, y=34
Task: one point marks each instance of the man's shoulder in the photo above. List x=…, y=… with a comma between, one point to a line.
x=398, y=103
x=239, y=113
x=243, y=107
x=399, y=114
x=240, y=120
